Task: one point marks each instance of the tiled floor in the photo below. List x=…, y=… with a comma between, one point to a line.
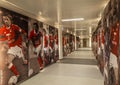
x=69, y=74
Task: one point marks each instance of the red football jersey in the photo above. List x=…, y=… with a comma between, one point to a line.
x=35, y=37
x=102, y=37
x=13, y=34
x=114, y=40
x=98, y=39
x=51, y=41
x=64, y=41
x=3, y=37
x=45, y=38
x=56, y=39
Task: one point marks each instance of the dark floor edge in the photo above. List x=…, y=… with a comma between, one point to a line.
x=79, y=61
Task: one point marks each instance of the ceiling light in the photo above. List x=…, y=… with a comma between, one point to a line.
x=67, y=31
x=40, y=13
x=75, y=19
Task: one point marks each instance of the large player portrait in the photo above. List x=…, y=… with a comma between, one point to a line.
x=13, y=40
x=35, y=37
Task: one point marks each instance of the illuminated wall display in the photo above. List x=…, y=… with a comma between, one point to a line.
x=13, y=47
x=26, y=46
x=68, y=41
x=106, y=43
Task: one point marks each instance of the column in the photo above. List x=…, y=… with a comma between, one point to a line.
x=59, y=29
x=90, y=32
x=75, y=35
x=81, y=39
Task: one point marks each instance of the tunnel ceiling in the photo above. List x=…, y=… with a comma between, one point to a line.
x=51, y=10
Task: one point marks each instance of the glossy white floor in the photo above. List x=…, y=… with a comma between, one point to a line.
x=69, y=74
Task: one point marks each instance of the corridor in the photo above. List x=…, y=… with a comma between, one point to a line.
x=78, y=68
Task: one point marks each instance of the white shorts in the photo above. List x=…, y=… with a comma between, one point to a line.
x=16, y=51
x=56, y=47
x=37, y=49
x=102, y=46
x=67, y=45
x=51, y=49
x=64, y=46
x=99, y=51
x=113, y=60
x=45, y=49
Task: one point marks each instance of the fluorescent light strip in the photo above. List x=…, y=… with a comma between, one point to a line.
x=75, y=19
